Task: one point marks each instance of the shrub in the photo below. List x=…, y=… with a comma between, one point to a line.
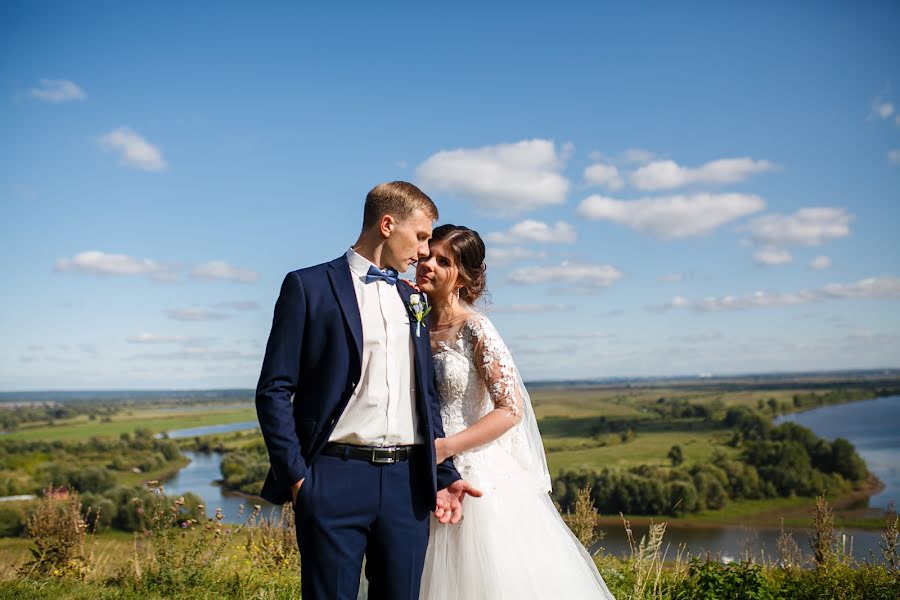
x=58, y=529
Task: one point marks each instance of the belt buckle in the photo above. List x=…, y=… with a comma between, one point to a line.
x=383, y=460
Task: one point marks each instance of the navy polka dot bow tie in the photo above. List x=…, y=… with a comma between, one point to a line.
x=388, y=275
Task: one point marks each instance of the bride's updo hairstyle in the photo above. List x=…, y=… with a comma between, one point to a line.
x=468, y=250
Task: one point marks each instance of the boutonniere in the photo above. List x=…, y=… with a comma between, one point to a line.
x=418, y=307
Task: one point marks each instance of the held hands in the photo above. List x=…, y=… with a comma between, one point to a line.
x=449, y=501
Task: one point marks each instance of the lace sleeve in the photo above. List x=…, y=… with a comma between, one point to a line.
x=494, y=364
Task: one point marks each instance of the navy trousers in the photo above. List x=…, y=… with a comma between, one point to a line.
x=347, y=509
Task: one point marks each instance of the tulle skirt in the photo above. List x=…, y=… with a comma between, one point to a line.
x=512, y=542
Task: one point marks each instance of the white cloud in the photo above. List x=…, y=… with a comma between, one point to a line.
x=157, y=338
x=606, y=176
x=670, y=278
x=894, y=155
x=819, y=263
x=135, y=150
x=666, y=174
x=506, y=178
x=806, y=227
x=57, y=91
x=219, y=269
x=195, y=313
x=101, y=263
x=881, y=109
x=670, y=217
x=535, y=231
x=504, y=256
x=238, y=305
x=529, y=308
x=771, y=256
x=873, y=287
x=579, y=275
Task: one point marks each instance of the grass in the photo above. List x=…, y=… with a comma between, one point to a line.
x=646, y=448
x=155, y=420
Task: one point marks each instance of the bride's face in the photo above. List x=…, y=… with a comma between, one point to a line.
x=437, y=273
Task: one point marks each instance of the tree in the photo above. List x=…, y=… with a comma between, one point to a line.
x=676, y=455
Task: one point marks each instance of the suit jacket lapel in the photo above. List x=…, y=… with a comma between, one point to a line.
x=340, y=276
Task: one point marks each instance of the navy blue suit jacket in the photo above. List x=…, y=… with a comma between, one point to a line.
x=314, y=355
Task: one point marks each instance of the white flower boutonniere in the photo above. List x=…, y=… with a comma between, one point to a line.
x=418, y=307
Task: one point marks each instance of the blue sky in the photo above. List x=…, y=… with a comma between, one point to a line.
x=665, y=189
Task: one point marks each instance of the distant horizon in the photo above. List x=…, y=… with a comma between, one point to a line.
x=541, y=382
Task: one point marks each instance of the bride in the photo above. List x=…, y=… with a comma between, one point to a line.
x=512, y=542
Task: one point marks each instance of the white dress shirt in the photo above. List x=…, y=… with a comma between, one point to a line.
x=382, y=409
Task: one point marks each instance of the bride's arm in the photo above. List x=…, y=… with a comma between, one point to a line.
x=496, y=369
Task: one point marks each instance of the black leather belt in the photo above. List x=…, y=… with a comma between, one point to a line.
x=377, y=455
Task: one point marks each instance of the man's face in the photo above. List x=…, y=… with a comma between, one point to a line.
x=408, y=241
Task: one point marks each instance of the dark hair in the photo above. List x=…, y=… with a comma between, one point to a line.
x=398, y=199
x=468, y=250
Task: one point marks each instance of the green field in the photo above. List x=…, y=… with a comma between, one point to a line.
x=156, y=420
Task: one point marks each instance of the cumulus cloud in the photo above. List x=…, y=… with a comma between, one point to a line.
x=578, y=275
x=894, y=155
x=806, y=227
x=221, y=270
x=771, y=256
x=57, y=91
x=506, y=178
x=95, y=262
x=667, y=174
x=606, y=176
x=134, y=150
x=670, y=217
x=195, y=313
x=504, y=256
x=530, y=308
x=535, y=231
x=819, y=263
x=873, y=287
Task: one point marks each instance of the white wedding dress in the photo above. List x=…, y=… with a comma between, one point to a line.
x=512, y=542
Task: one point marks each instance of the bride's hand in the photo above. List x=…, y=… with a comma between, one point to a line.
x=441, y=450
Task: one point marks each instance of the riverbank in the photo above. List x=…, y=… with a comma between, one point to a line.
x=771, y=513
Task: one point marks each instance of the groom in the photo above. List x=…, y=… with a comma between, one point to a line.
x=348, y=409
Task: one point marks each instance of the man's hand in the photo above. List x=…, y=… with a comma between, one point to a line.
x=295, y=489
x=449, y=501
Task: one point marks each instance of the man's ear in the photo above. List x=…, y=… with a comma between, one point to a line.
x=386, y=225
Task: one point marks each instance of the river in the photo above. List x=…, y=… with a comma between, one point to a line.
x=870, y=425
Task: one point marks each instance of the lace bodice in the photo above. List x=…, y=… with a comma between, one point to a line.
x=475, y=374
